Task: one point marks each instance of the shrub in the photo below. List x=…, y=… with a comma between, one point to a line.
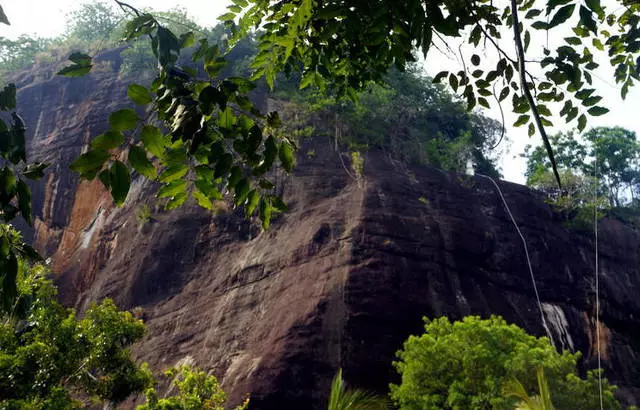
x=465, y=365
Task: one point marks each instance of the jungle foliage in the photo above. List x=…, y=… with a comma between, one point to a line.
x=51, y=359
x=474, y=363
x=600, y=170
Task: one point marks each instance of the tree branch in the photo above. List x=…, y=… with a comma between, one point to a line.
x=522, y=73
x=124, y=6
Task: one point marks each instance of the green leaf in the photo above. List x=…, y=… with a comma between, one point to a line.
x=265, y=213
x=24, y=200
x=139, y=94
x=207, y=188
x=226, y=118
x=80, y=59
x=187, y=39
x=273, y=120
x=108, y=140
x=574, y=41
x=475, y=59
x=173, y=173
x=89, y=163
x=139, y=161
x=588, y=102
x=587, y=20
x=278, y=204
x=105, y=177
x=120, y=179
x=167, y=48
x=562, y=15
x=597, y=111
x=202, y=200
x=285, y=154
x=253, y=199
x=123, y=120
x=582, y=123
x=241, y=189
x=17, y=140
x=3, y=17
x=34, y=171
x=504, y=93
x=209, y=97
x=532, y=129
x=74, y=70
x=227, y=17
x=453, y=81
x=153, y=140
x=522, y=119
x=140, y=25
x=172, y=189
x=7, y=183
x=595, y=6
x=8, y=97
x=441, y=75
x=176, y=201
x=244, y=85
x=223, y=165
x=540, y=25
x=532, y=14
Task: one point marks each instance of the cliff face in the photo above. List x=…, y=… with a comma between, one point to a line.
x=339, y=281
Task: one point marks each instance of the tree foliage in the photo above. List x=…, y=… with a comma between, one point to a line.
x=408, y=117
x=466, y=364
x=195, y=391
x=52, y=359
x=93, y=21
x=606, y=156
x=346, y=44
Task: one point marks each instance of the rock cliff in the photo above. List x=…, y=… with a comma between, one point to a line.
x=339, y=281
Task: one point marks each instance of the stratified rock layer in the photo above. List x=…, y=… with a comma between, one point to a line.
x=339, y=281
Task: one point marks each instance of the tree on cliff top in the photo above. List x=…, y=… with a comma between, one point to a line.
x=617, y=169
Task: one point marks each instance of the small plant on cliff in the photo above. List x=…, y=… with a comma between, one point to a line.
x=342, y=398
x=466, y=364
x=143, y=215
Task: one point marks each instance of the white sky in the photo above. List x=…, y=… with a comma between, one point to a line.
x=47, y=18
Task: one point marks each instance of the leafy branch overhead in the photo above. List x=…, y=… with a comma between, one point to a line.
x=217, y=142
x=345, y=45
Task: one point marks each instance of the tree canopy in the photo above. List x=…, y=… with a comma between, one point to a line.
x=468, y=364
x=608, y=156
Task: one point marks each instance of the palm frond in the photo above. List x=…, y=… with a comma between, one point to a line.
x=354, y=399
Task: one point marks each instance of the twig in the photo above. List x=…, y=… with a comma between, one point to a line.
x=125, y=6
x=525, y=90
x=501, y=115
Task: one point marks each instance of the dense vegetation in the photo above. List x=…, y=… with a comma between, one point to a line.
x=467, y=365
x=217, y=134
x=51, y=359
x=600, y=170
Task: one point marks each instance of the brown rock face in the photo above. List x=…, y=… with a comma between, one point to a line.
x=339, y=281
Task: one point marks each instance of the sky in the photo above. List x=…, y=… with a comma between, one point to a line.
x=46, y=18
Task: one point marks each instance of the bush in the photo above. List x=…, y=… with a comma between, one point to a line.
x=466, y=364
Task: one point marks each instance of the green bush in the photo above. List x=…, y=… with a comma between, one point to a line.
x=465, y=365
